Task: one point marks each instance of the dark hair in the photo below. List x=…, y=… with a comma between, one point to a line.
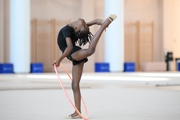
x=83, y=38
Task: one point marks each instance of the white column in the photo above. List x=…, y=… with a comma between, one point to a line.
x=20, y=35
x=114, y=36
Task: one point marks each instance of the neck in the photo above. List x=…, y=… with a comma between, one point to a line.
x=73, y=25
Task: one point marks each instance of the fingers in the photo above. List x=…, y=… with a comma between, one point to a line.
x=56, y=63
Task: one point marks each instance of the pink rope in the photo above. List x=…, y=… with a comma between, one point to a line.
x=60, y=81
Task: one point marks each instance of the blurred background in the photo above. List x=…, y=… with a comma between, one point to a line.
x=138, y=56
x=150, y=31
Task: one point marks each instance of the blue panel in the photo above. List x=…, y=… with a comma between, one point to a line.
x=37, y=68
x=178, y=66
x=129, y=67
x=6, y=68
x=101, y=67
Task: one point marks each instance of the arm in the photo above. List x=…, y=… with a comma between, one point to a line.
x=95, y=21
x=66, y=52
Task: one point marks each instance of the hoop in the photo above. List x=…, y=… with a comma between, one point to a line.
x=64, y=69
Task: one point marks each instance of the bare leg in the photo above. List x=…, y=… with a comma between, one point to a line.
x=81, y=54
x=76, y=75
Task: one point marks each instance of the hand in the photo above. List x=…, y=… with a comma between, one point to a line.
x=56, y=63
x=99, y=21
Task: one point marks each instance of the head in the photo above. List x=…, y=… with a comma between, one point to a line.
x=81, y=26
x=82, y=32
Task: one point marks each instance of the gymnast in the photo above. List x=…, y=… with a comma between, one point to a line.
x=78, y=32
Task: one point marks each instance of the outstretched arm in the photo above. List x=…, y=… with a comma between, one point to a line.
x=95, y=22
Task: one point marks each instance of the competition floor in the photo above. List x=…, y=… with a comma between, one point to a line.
x=108, y=96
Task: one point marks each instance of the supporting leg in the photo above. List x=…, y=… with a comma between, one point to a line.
x=76, y=75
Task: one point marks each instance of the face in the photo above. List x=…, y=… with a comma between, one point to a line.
x=82, y=26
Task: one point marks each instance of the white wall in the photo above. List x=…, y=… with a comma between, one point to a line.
x=1, y=31
x=171, y=27
x=176, y=41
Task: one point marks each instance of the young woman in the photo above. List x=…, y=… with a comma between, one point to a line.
x=78, y=31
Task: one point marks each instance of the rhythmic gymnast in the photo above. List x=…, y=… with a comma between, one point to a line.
x=69, y=35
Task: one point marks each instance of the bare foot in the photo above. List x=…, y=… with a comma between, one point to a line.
x=74, y=114
x=72, y=117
